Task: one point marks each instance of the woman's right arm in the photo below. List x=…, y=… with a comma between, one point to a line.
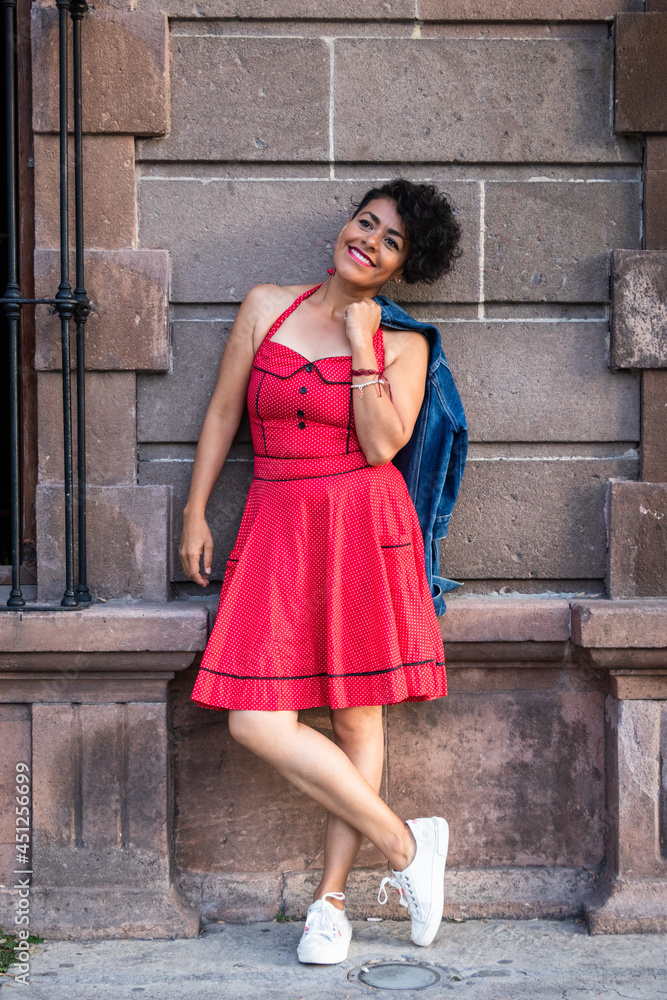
x=221, y=423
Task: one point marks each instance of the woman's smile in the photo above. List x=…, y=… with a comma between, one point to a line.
x=360, y=257
x=376, y=240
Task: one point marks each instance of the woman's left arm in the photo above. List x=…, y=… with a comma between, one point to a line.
x=383, y=426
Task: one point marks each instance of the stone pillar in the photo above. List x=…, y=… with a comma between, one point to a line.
x=637, y=511
x=628, y=639
x=85, y=703
x=125, y=93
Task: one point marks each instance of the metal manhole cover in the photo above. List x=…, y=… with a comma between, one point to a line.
x=396, y=975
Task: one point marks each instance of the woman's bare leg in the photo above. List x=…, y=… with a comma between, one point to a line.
x=323, y=771
x=359, y=734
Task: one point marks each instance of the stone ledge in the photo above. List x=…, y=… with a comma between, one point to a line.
x=473, y=627
x=638, y=685
x=56, y=687
x=620, y=624
x=110, y=627
x=75, y=663
x=635, y=906
x=512, y=892
x=623, y=659
x=72, y=914
x=506, y=620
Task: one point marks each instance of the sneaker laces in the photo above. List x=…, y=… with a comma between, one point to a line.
x=406, y=892
x=323, y=920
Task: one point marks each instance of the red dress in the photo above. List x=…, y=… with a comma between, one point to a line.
x=324, y=599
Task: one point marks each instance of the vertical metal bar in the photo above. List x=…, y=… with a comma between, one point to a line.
x=65, y=307
x=13, y=293
x=25, y=208
x=82, y=308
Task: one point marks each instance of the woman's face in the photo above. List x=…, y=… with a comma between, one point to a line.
x=373, y=246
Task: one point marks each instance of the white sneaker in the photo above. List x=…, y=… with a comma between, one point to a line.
x=327, y=934
x=421, y=885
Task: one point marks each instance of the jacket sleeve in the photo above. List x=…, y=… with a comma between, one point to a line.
x=457, y=458
x=453, y=477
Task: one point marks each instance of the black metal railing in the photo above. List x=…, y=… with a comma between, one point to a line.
x=71, y=306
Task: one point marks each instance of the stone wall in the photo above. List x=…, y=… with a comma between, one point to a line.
x=223, y=145
x=277, y=124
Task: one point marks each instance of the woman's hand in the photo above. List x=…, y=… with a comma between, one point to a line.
x=196, y=538
x=362, y=320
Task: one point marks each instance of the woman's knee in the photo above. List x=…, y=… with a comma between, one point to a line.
x=254, y=728
x=356, y=725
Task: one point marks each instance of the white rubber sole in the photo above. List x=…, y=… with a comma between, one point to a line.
x=425, y=936
x=312, y=955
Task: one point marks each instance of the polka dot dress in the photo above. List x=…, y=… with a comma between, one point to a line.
x=324, y=599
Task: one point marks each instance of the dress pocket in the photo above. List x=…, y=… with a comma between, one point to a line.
x=399, y=564
x=230, y=569
x=396, y=543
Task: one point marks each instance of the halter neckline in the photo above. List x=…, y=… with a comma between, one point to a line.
x=288, y=312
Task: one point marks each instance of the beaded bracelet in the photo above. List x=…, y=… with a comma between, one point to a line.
x=376, y=381
x=362, y=385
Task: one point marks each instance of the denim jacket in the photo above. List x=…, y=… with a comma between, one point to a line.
x=433, y=460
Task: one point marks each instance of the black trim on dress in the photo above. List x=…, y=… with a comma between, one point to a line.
x=306, y=677
x=349, y=425
x=261, y=419
x=327, y=381
x=322, y=475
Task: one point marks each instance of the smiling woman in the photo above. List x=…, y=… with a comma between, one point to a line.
x=429, y=223
x=325, y=599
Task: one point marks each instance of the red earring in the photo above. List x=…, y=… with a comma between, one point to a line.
x=331, y=271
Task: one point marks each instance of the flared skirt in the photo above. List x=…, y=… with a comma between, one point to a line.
x=324, y=599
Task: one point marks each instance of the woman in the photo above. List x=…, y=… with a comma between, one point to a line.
x=325, y=599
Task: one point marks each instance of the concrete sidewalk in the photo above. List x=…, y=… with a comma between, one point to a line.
x=477, y=960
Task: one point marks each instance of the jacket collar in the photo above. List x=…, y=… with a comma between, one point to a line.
x=395, y=316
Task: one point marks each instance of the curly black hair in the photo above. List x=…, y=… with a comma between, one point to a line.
x=431, y=227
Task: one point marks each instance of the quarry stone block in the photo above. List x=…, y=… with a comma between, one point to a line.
x=125, y=85
x=520, y=759
x=195, y=353
x=226, y=236
x=246, y=99
x=128, y=325
x=108, y=192
x=128, y=541
x=558, y=371
x=461, y=100
x=654, y=426
x=535, y=518
x=641, y=72
x=111, y=451
x=224, y=511
x=551, y=241
x=637, y=540
x=639, y=309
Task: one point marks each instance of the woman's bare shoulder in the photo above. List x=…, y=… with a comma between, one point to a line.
x=265, y=303
x=404, y=343
x=266, y=298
